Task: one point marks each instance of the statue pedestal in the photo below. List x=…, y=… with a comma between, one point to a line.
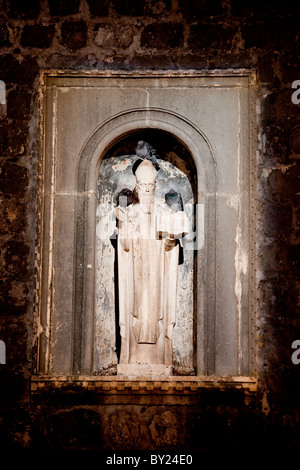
x=144, y=370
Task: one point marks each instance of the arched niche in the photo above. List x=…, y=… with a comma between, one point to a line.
x=177, y=171
x=182, y=145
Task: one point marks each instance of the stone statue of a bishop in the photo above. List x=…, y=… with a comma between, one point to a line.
x=148, y=255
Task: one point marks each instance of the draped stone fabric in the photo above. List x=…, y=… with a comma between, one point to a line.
x=148, y=256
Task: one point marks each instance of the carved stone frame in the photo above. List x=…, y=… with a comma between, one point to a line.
x=84, y=202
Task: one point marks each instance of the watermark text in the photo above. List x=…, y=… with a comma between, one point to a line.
x=296, y=94
x=2, y=352
x=296, y=354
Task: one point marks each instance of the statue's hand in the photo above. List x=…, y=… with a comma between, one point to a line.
x=170, y=243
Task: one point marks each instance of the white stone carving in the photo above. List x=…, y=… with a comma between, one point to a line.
x=148, y=253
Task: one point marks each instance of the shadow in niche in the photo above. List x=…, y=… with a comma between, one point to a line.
x=113, y=241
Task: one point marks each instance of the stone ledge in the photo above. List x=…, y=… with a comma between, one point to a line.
x=228, y=72
x=123, y=385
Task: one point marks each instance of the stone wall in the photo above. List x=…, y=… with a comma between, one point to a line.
x=143, y=35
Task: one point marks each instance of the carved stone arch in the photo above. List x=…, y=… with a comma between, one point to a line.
x=91, y=155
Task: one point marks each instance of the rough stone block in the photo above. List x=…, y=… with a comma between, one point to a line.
x=260, y=9
x=190, y=61
x=63, y=7
x=4, y=35
x=294, y=258
x=241, y=9
x=267, y=71
x=224, y=59
x=129, y=7
x=264, y=34
x=18, y=103
x=211, y=36
x=207, y=427
x=288, y=66
x=13, y=140
x=279, y=109
x=21, y=9
x=74, y=429
x=294, y=143
x=98, y=8
x=164, y=429
x=275, y=143
x=154, y=8
x=74, y=34
x=162, y=61
x=14, y=180
x=278, y=219
x=269, y=8
x=37, y=35
x=12, y=217
x=200, y=8
x=162, y=35
x=123, y=431
x=282, y=183
x=13, y=289
x=107, y=36
x=13, y=303
x=12, y=71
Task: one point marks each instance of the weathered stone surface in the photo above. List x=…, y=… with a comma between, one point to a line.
x=14, y=180
x=222, y=37
x=294, y=143
x=129, y=7
x=15, y=71
x=18, y=103
x=241, y=9
x=280, y=220
x=206, y=427
x=266, y=8
x=145, y=61
x=262, y=35
x=157, y=8
x=123, y=430
x=266, y=68
x=37, y=36
x=20, y=9
x=106, y=36
x=76, y=429
x=158, y=35
x=14, y=255
x=201, y=8
x=63, y=7
x=98, y=8
x=13, y=304
x=164, y=430
x=275, y=144
x=74, y=34
x=13, y=140
x=278, y=108
x=4, y=35
x=288, y=67
x=12, y=217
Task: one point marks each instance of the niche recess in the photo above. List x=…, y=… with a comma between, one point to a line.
x=177, y=171
x=202, y=128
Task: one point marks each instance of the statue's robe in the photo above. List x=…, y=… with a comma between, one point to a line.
x=147, y=267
